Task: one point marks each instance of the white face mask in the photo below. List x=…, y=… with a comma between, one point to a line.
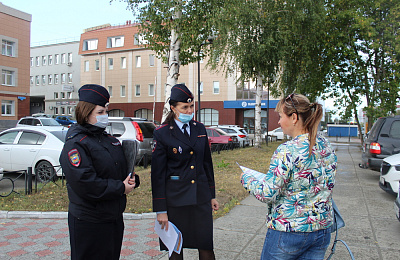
x=102, y=121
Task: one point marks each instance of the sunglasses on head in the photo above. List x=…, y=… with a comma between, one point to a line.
x=290, y=98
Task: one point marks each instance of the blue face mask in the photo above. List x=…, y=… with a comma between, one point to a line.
x=102, y=121
x=185, y=118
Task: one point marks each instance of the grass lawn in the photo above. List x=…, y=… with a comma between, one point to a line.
x=229, y=191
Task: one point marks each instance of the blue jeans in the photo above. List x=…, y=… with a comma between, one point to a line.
x=295, y=245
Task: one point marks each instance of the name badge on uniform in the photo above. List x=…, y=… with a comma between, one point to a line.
x=174, y=177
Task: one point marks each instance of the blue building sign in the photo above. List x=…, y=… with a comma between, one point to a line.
x=246, y=104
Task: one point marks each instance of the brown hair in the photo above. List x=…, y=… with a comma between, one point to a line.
x=171, y=114
x=310, y=113
x=82, y=111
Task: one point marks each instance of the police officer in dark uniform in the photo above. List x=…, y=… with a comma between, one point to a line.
x=96, y=171
x=182, y=176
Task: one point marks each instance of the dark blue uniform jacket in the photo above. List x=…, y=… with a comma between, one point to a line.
x=181, y=169
x=94, y=165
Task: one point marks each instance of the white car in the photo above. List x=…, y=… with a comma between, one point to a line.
x=24, y=147
x=390, y=174
x=278, y=133
x=43, y=122
x=239, y=132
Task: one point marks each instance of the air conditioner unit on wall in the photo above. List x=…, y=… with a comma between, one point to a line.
x=69, y=63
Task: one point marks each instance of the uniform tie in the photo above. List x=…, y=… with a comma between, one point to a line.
x=184, y=130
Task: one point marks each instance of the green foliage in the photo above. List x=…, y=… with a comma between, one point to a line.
x=222, y=164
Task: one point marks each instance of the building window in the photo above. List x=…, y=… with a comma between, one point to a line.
x=37, y=80
x=249, y=120
x=44, y=60
x=151, y=89
x=69, y=77
x=122, y=90
x=63, y=58
x=43, y=80
x=116, y=41
x=69, y=95
x=97, y=65
x=89, y=45
x=8, y=78
x=56, y=110
x=62, y=109
x=110, y=63
x=123, y=62
x=144, y=113
x=110, y=91
x=62, y=95
x=55, y=79
x=50, y=59
x=50, y=79
x=209, y=116
x=57, y=58
x=62, y=78
x=216, y=87
x=137, y=90
x=151, y=60
x=55, y=95
x=32, y=80
x=138, y=61
x=31, y=61
x=7, y=108
x=86, y=65
x=37, y=61
x=139, y=39
x=8, y=48
x=70, y=57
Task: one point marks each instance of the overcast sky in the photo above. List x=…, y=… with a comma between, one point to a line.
x=66, y=19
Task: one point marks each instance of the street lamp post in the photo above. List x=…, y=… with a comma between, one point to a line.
x=210, y=41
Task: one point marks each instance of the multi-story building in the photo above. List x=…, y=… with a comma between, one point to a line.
x=113, y=56
x=55, y=78
x=15, y=31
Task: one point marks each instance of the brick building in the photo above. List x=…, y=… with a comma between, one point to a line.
x=112, y=56
x=15, y=29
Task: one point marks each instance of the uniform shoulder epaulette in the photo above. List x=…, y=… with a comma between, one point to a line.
x=72, y=136
x=161, y=126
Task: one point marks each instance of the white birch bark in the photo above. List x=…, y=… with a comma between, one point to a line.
x=173, y=61
x=257, y=119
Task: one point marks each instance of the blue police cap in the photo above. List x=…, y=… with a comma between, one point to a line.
x=94, y=94
x=181, y=93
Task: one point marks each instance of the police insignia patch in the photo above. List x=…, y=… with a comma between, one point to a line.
x=74, y=157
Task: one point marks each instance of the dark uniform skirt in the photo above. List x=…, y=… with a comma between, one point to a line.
x=196, y=224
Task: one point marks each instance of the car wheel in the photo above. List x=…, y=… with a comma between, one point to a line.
x=45, y=172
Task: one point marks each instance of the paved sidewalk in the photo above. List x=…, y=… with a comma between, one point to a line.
x=372, y=230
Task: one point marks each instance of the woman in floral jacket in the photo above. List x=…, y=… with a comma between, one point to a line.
x=298, y=185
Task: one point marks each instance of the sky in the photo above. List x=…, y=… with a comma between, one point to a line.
x=57, y=20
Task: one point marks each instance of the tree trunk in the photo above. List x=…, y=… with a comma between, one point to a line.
x=257, y=119
x=173, y=61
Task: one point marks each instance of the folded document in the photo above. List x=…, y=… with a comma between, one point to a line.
x=172, y=238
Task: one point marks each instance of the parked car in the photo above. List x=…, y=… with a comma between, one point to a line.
x=382, y=141
x=133, y=128
x=216, y=136
x=237, y=131
x=65, y=120
x=42, y=122
x=24, y=147
x=390, y=174
x=278, y=133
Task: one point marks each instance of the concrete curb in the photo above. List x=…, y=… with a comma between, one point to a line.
x=61, y=215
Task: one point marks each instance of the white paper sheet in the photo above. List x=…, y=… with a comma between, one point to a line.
x=172, y=238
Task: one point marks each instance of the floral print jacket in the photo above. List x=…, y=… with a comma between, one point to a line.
x=297, y=187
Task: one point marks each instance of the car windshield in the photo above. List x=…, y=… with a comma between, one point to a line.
x=60, y=135
x=49, y=122
x=147, y=129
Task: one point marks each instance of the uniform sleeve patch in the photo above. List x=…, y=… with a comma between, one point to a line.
x=74, y=157
x=154, y=145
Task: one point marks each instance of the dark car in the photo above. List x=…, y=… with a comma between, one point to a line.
x=134, y=128
x=382, y=141
x=65, y=120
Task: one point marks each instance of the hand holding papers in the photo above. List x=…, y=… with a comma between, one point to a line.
x=172, y=238
x=258, y=175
